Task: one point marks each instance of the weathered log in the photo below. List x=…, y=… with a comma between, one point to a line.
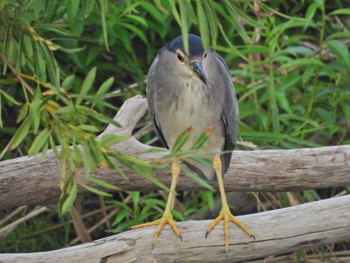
x=277, y=232
x=260, y=170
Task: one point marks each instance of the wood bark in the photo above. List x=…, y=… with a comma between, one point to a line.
x=28, y=180
x=277, y=232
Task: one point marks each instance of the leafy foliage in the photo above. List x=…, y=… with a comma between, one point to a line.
x=66, y=66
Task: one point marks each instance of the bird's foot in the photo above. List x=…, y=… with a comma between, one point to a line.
x=167, y=218
x=226, y=215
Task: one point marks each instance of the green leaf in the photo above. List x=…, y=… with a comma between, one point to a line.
x=212, y=21
x=102, y=118
x=72, y=11
x=95, y=190
x=310, y=14
x=89, y=162
x=283, y=101
x=44, y=150
x=262, y=135
x=292, y=23
x=303, y=62
x=71, y=50
x=53, y=146
x=103, y=22
x=191, y=15
x=203, y=25
x=88, y=128
x=34, y=111
x=135, y=196
x=209, y=199
x=96, y=155
x=202, y=138
x=21, y=133
x=120, y=217
x=197, y=179
x=342, y=51
x=137, y=32
x=177, y=215
x=28, y=46
x=39, y=142
x=284, y=200
x=338, y=35
x=236, y=23
x=138, y=19
x=52, y=67
x=153, y=11
x=327, y=116
x=184, y=24
x=182, y=139
x=40, y=65
x=103, y=183
x=342, y=11
x=175, y=12
x=234, y=9
x=68, y=203
x=13, y=51
x=140, y=166
x=9, y=98
x=300, y=50
x=89, y=7
x=302, y=142
x=87, y=84
x=68, y=82
x=105, y=86
x=66, y=110
x=110, y=139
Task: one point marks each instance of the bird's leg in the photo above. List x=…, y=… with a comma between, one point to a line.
x=167, y=217
x=225, y=213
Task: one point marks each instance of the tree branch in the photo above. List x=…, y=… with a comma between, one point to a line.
x=277, y=232
x=261, y=170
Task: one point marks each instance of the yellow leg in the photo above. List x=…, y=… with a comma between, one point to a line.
x=167, y=217
x=225, y=213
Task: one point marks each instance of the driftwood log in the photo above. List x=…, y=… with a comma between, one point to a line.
x=27, y=180
x=260, y=170
x=278, y=231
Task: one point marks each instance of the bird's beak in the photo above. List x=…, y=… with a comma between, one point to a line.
x=198, y=70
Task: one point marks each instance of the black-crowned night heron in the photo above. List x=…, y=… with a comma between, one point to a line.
x=194, y=91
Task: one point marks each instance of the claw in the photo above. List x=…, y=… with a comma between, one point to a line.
x=226, y=215
x=167, y=218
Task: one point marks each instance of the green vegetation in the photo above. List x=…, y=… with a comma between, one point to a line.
x=66, y=67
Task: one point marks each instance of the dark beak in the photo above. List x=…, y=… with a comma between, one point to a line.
x=199, y=71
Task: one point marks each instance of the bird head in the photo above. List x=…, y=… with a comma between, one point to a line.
x=191, y=60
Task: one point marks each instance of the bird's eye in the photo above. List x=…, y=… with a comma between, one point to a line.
x=180, y=57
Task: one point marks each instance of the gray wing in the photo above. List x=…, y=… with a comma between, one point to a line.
x=230, y=114
x=151, y=85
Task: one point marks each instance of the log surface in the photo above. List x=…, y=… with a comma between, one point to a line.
x=278, y=231
x=260, y=170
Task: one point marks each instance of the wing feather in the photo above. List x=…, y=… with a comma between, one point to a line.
x=151, y=86
x=230, y=114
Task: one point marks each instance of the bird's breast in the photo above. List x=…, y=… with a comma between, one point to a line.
x=190, y=105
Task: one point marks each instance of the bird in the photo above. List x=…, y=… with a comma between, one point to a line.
x=193, y=90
